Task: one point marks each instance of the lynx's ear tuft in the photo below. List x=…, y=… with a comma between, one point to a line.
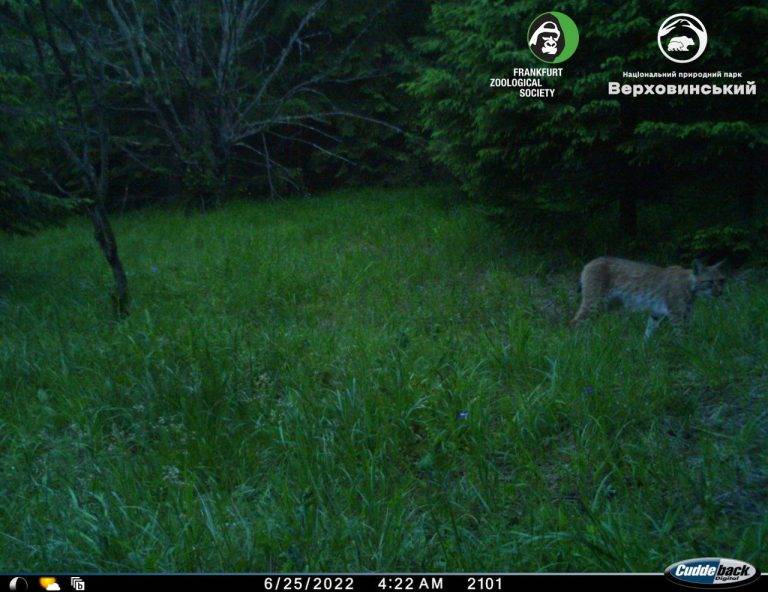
x=698, y=266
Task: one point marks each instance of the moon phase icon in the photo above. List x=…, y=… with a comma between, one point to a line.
x=18, y=585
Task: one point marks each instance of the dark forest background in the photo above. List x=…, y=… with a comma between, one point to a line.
x=110, y=106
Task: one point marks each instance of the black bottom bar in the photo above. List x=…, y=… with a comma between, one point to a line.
x=336, y=582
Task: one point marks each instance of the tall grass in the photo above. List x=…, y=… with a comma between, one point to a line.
x=368, y=381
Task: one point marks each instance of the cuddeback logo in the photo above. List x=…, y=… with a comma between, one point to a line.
x=712, y=572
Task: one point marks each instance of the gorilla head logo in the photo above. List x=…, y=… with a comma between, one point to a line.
x=553, y=37
x=546, y=38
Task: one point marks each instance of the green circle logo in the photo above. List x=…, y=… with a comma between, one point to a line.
x=553, y=37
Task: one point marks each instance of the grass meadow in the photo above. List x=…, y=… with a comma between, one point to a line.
x=371, y=380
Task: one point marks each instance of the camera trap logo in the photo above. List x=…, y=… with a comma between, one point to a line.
x=682, y=38
x=553, y=37
x=714, y=572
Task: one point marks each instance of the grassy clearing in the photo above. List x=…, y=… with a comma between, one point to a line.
x=289, y=395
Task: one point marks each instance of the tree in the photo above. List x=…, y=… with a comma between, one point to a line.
x=224, y=84
x=68, y=43
x=207, y=100
x=22, y=208
x=585, y=150
x=25, y=206
x=378, y=63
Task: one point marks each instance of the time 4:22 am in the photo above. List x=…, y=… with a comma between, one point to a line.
x=410, y=583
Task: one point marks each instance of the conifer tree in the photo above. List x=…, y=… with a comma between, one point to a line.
x=584, y=149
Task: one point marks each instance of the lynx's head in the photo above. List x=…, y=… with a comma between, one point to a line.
x=708, y=280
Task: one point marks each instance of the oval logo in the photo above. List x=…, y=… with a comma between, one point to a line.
x=715, y=572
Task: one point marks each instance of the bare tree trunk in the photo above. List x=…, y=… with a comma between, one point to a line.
x=83, y=72
x=102, y=230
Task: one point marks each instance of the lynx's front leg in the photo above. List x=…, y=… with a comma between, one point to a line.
x=591, y=300
x=679, y=316
x=653, y=323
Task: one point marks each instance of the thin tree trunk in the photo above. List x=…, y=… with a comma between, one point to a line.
x=106, y=238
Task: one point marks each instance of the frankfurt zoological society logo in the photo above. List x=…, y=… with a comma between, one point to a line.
x=553, y=37
x=682, y=38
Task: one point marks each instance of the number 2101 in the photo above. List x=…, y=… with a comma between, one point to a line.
x=482, y=584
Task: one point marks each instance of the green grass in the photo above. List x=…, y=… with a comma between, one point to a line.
x=287, y=395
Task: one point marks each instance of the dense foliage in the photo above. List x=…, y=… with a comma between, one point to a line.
x=26, y=201
x=207, y=101
x=125, y=103
x=585, y=151
x=131, y=101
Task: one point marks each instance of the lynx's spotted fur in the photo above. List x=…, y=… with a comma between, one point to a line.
x=661, y=291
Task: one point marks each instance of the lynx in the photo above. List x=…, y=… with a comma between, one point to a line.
x=661, y=291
